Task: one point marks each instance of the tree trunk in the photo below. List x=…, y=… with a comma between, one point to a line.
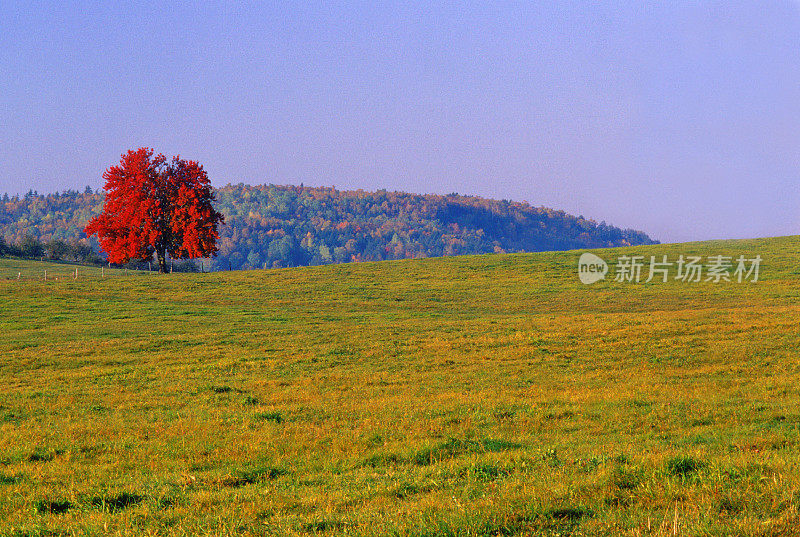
x=162, y=262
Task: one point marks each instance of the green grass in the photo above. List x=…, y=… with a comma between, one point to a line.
x=481, y=395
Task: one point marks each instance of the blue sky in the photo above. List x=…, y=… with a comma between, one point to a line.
x=678, y=118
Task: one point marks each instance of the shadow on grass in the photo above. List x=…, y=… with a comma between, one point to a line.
x=56, y=507
x=116, y=503
x=251, y=476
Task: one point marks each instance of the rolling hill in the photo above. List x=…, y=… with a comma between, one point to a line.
x=474, y=395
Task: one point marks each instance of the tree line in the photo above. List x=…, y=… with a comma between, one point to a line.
x=286, y=226
x=53, y=250
x=77, y=251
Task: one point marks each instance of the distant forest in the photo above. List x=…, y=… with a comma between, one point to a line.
x=288, y=226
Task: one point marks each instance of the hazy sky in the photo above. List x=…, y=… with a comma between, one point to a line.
x=680, y=119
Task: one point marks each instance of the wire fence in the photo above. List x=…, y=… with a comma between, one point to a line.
x=54, y=272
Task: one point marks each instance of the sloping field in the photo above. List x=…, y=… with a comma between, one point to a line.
x=483, y=395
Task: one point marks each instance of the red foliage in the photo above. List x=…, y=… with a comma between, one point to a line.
x=153, y=206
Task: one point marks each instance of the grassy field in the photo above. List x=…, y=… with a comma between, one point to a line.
x=481, y=395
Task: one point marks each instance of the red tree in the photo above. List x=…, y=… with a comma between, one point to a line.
x=153, y=206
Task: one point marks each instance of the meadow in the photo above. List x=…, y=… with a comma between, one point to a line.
x=463, y=396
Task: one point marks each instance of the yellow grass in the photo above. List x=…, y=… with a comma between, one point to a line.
x=481, y=395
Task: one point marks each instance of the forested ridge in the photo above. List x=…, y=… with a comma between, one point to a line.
x=283, y=226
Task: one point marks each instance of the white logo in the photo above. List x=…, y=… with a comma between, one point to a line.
x=689, y=268
x=591, y=268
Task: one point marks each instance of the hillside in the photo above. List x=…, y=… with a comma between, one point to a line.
x=283, y=226
x=476, y=395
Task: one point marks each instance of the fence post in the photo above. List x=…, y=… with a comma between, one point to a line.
x=45, y=274
x=102, y=272
x=76, y=273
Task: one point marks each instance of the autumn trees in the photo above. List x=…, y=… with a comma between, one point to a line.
x=286, y=226
x=155, y=206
